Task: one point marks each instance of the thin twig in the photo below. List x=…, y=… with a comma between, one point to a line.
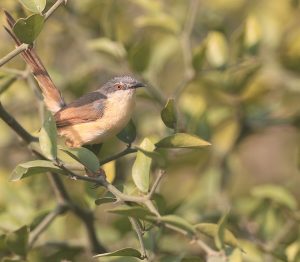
x=34, y=235
x=54, y=7
x=159, y=177
x=185, y=40
x=125, y=152
x=13, y=53
x=138, y=230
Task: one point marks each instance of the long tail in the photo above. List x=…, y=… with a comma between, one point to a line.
x=52, y=96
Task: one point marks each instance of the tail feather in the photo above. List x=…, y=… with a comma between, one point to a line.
x=52, y=96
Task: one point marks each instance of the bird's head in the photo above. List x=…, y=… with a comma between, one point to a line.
x=123, y=85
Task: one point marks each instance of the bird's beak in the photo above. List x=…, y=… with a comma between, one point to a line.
x=137, y=85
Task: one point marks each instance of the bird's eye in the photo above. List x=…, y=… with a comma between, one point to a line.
x=119, y=86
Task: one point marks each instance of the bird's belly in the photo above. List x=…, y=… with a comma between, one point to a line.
x=112, y=122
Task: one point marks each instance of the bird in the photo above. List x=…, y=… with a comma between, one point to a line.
x=94, y=117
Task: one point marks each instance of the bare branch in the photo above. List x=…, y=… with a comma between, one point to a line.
x=13, y=53
x=138, y=230
x=57, y=4
x=34, y=235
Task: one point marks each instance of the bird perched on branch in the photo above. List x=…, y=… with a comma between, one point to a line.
x=92, y=118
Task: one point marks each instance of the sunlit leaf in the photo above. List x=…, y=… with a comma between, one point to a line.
x=28, y=29
x=178, y=222
x=83, y=156
x=125, y=252
x=182, y=140
x=277, y=194
x=107, y=46
x=142, y=165
x=168, y=114
x=216, y=50
x=128, y=134
x=17, y=241
x=32, y=168
x=105, y=200
x=211, y=230
x=47, y=136
x=132, y=211
x=35, y=6
x=252, y=34
x=162, y=21
x=220, y=236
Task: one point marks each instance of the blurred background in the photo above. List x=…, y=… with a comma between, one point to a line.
x=233, y=70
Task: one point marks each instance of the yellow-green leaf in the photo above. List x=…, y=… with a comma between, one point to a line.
x=28, y=29
x=216, y=50
x=125, y=252
x=277, y=194
x=32, y=168
x=17, y=241
x=35, y=6
x=105, y=200
x=252, y=34
x=83, y=156
x=128, y=134
x=47, y=137
x=211, y=230
x=132, y=211
x=109, y=47
x=168, y=114
x=182, y=140
x=142, y=165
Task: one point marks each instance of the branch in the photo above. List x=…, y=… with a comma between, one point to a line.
x=156, y=183
x=13, y=53
x=185, y=41
x=34, y=235
x=57, y=4
x=138, y=230
x=125, y=152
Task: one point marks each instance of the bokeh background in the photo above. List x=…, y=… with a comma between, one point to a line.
x=236, y=81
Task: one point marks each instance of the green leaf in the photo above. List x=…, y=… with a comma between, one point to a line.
x=168, y=114
x=47, y=137
x=132, y=211
x=141, y=166
x=252, y=34
x=125, y=252
x=28, y=29
x=278, y=194
x=216, y=50
x=178, y=222
x=83, y=156
x=33, y=167
x=182, y=140
x=199, y=56
x=219, y=238
x=211, y=230
x=6, y=83
x=160, y=20
x=104, y=200
x=109, y=47
x=35, y=6
x=128, y=134
x=17, y=241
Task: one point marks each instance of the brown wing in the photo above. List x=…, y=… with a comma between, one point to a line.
x=89, y=107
